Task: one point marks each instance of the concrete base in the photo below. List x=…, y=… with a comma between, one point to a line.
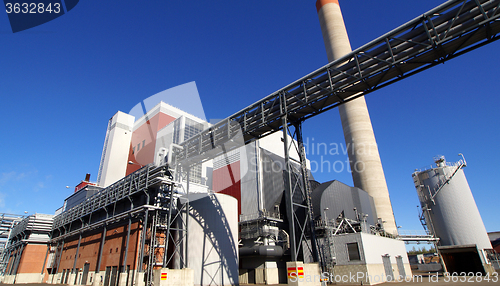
x=260, y=277
x=139, y=279
x=272, y=276
x=9, y=279
x=303, y=274
x=28, y=278
x=71, y=279
x=243, y=276
x=489, y=269
x=96, y=281
x=174, y=277
x=52, y=279
x=122, y=279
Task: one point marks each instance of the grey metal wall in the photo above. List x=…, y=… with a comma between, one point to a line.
x=81, y=196
x=339, y=197
x=272, y=181
x=454, y=214
x=262, y=183
x=249, y=183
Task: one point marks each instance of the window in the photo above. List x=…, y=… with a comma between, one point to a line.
x=143, y=142
x=195, y=174
x=353, y=251
x=133, y=150
x=177, y=130
x=192, y=128
x=138, y=147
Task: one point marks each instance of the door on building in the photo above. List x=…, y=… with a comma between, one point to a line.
x=76, y=277
x=114, y=275
x=67, y=276
x=85, y=275
x=106, y=275
x=62, y=276
x=389, y=274
x=401, y=267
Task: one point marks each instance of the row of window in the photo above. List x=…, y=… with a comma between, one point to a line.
x=138, y=146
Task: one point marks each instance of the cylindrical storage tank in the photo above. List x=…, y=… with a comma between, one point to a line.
x=212, y=249
x=449, y=207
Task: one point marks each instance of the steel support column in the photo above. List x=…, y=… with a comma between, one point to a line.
x=45, y=259
x=143, y=240
x=18, y=259
x=124, y=267
x=187, y=220
x=58, y=260
x=289, y=195
x=76, y=255
x=297, y=193
x=10, y=262
x=169, y=220
x=101, y=249
x=307, y=191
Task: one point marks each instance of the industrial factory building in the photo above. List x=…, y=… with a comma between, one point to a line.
x=117, y=232
x=25, y=254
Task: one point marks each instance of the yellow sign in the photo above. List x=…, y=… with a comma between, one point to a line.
x=163, y=276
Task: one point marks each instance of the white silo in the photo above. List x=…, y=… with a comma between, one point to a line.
x=451, y=214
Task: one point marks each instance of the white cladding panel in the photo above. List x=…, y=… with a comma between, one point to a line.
x=371, y=248
x=116, y=149
x=376, y=246
x=213, y=240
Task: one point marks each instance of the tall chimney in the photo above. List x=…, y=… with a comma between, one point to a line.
x=367, y=172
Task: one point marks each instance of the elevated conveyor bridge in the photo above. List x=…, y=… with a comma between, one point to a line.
x=447, y=31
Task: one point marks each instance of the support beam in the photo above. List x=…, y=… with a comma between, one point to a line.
x=294, y=249
x=307, y=192
x=18, y=259
x=45, y=260
x=143, y=240
x=73, y=270
x=58, y=260
x=101, y=249
x=124, y=267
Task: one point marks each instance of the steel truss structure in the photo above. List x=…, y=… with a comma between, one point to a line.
x=143, y=196
x=447, y=31
x=7, y=223
x=149, y=195
x=297, y=195
x=34, y=229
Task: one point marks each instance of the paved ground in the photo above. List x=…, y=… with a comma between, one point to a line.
x=425, y=279
x=421, y=280
x=429, y=280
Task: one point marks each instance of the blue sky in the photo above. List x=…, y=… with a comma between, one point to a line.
x=60, y=83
